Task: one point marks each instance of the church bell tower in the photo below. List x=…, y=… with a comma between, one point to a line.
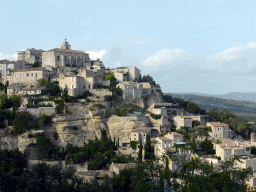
x=65, y=45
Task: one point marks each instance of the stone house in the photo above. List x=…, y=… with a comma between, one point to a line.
x=203, y=119
x=182, y=121
x=126, y=73
x=229, y=148
x=139, y=135
x=117, y=167
x=219, y=130
x=30, y=76
x=133, y=90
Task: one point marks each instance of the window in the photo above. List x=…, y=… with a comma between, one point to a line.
x=72, y=86
x=31, y=74
x=89, y=80
x=134, y=134
x=36, y=74
x=89, y=86
x=58, y=58
x=134, y=138
x=73, y=78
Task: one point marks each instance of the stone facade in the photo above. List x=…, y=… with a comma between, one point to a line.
x=219, y=130
x=65, y=57
x=30, y=55
x=182, y=121
x=30, y=76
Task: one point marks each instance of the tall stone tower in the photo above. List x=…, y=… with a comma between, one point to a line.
x=65, y=45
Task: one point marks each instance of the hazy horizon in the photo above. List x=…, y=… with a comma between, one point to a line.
x=186, y=46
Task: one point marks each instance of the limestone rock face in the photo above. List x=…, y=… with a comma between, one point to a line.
x=9, y=142
x=122, y=126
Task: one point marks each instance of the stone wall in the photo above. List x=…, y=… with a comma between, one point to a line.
x=40, y=111
x=9, y=142
x=61, y=164
x=100, y=92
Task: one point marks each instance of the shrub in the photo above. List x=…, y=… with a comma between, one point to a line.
x=30, y=135
x=133, y=144
x=97, y=97
x=88, y=100
x=218, y=141
x=22, y=122
x=108, y=98
x=98, y=105
x=86, y=94
x=121, y=112
x=154, y=116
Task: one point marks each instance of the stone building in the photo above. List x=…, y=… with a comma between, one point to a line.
x=30, y=76
x=219, y=130
x=30, y=55
x=182, y=121
x=133, y=90
x=126, y=73
x=140, y=135
x=230, y=148
x=8, y=67
x=20, y=89
x=65, y=57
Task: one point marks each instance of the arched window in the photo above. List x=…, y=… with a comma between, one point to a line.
x=58, y=57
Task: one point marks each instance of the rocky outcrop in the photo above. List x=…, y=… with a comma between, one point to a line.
x=122, y=126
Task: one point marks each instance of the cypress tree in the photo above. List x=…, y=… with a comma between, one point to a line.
x=140, y=151
x=147, y=147
x=193, y=144
x=118, y=142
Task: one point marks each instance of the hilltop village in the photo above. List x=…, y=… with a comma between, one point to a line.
x=58, y=105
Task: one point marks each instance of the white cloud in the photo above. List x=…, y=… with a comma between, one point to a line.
x=162, y=57
x=9, y=57
x=97, y=54
x=232, y=53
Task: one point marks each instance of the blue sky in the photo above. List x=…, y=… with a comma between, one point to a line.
x=185, y=45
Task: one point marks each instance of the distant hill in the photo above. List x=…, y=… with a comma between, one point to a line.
x=250, y=96
x=243, y=109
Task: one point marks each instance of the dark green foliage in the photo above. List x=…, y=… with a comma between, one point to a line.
x=168, y=98
x=86, y=94
x=253, y=150
x=43, y=146
x=154, y=116
x=149, y=79
x=30, y=135
x=147, y=147
x=122, y=182
x=207, y=146
x=133, y=144
x=53, y=88
x=99, y=86
x=42, y=82
x=23, y=121
x=44, y=120
x=60, y=106
x=97, y=105
x=88, y=100
x=5, y=87
x=140, y=151
x=116, y=91
x=44, y=178
x=74, y=71
x=195, y=123
x=111, y=78
x=121, y=112
x=36, y=64
x=11, y=159
x=108, y=98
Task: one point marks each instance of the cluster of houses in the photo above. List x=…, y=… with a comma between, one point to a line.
x=76, y=72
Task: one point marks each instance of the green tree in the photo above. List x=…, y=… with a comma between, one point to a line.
x=16, y=101
x=36, y=64
x=207, y=146
x=43, y=147
x=6, y=85
x=147, y=147
x=42, y=82
x=86, y=94
x=23, y=121
x=193, y=145
x=140, y=150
